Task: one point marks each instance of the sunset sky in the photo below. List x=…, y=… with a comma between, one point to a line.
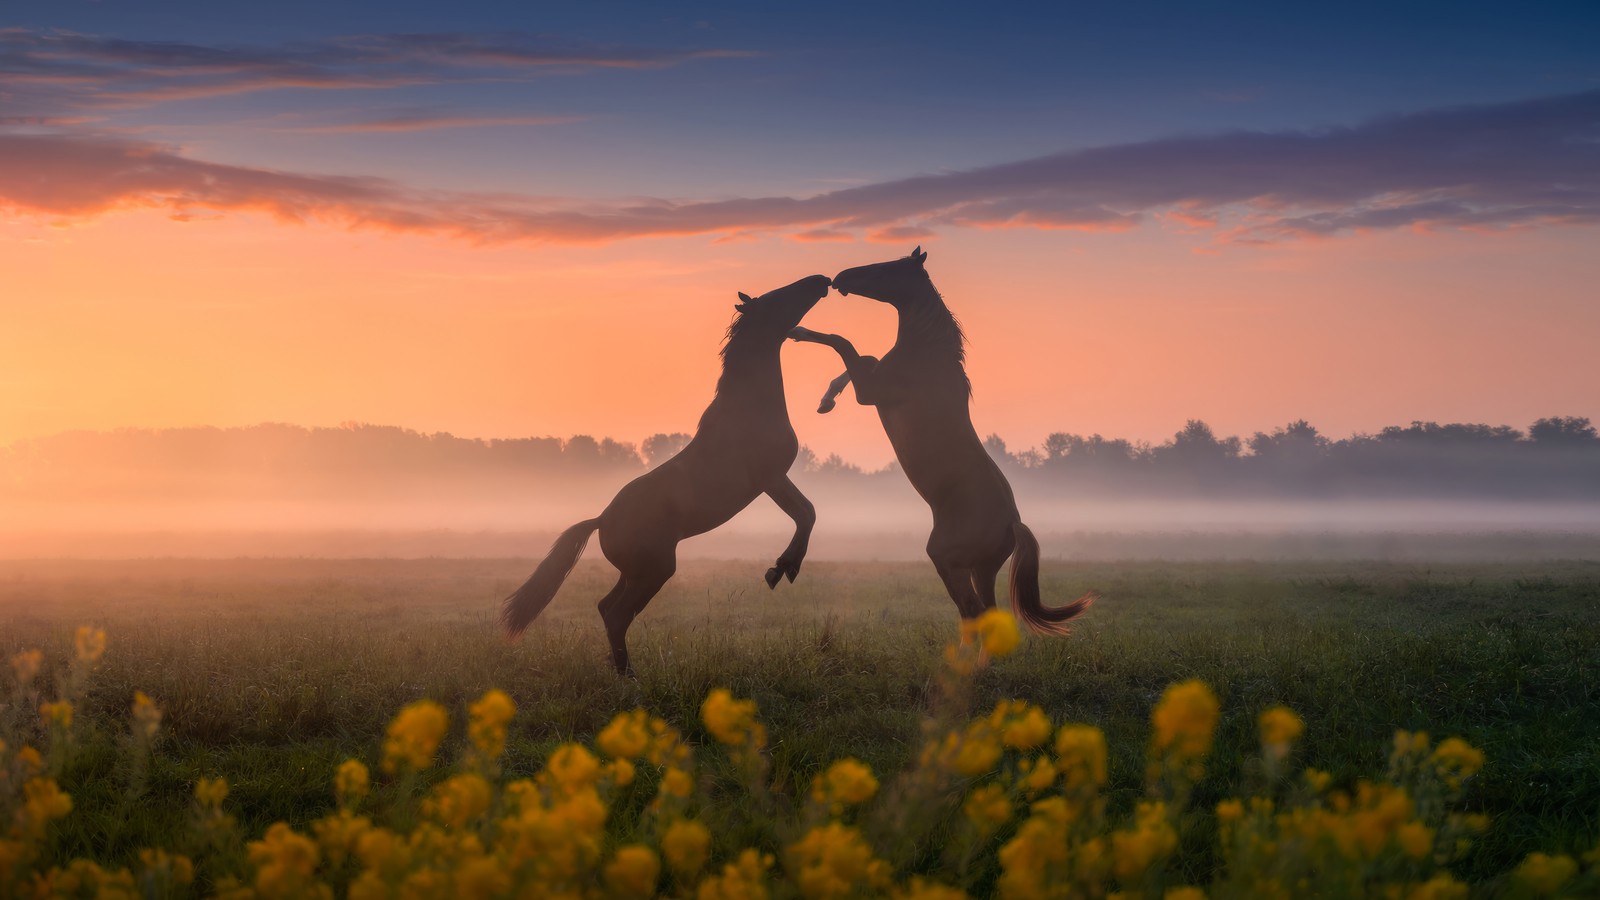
x=511, y=219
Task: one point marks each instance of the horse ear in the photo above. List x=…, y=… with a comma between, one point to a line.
x=743, y=296
x=918, y=255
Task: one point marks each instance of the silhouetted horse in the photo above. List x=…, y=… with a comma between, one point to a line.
x=921, y=390
x=742, y=448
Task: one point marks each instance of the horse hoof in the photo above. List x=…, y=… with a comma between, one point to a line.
x=826, y=407
x=773, y=574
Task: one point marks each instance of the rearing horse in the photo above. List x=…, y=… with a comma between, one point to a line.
x=743, y=447
x=921, y=390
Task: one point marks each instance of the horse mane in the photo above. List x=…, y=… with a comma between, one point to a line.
x=735, y=328
x=942, y=331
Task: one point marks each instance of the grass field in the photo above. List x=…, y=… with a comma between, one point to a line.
x=271, y=672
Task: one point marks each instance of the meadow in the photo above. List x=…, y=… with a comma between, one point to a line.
x=270, y=673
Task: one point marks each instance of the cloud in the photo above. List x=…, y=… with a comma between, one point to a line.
x=1525, y=163
x=407, y=123
x=50, y=70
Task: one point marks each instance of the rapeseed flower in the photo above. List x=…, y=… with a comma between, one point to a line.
x=743, y=879
x=833, y=861
x=998, y=632
x=90, y=644
x=487, y=721
x=732, y=722
x=414, y=737
x=627, y=736
x=25, y=666
x=848, y=782
x=1544, y=874
x=633, y=872
x=686, y=844
x=1185, y=720
x=351, y=782
x=146, y=717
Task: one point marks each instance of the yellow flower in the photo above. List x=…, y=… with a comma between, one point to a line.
x=1184, y=893
x=29, y=761
x=340, y=834
x=572, y=767
x=146, y=717
x=1318, y=780
x=1456, y=761
x=90, y=644
x=1544, y=875
x=1415, y=839
x=922, y=889
x=414, y=736
x=458, y=801
x=1185, y=719
x=1280, y=727
x=742, y=879
x=211, y=792
x=987, y=808
x=621, y=772
x=833, y=861
x=487, y=721
x=351, y=782
x=1407, y=743
x=1022, y=726
x=163, y=868
x=1229, y=811
x=1440, y=887
x=847, y=782
x=285, y=862
x=43, y=802
x=676, y=782
x=1081, y=756
x=732, y=722
x=627, y=737
x=998, y=631
x=686, y=844
x=25, y=666
x=977, y=754
x=1037, y=774
x=58, y=714
x=633, y=872
x=1151, y=839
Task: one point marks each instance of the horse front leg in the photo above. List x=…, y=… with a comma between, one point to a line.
x=858, y=369
x=795, y=505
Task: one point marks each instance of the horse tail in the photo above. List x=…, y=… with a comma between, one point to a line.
x=1025, y=599
x=522, y=607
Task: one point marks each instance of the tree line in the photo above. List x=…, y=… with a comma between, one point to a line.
x=1553, y=458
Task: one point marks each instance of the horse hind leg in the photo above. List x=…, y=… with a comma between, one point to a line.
x=632, y=593
x=983, y=579
x=959, y=582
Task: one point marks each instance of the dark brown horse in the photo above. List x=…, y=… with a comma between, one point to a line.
x=743, y=447
x=921, y=390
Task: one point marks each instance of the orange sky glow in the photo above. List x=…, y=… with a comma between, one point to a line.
x=130, y=318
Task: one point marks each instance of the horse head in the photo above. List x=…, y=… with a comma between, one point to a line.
x=774, y=313
x=894, y=282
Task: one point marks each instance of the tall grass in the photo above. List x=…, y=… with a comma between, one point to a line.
x=273, y=672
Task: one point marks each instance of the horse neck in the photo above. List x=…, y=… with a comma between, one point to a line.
x=927, y=327
x=751, y=373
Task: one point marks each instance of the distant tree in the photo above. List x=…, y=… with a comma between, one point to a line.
x=658, y=448
x=1296, y=442
x=1455, y=433
x=1564, y=431
x=1058, y=444
x=805, y=460
x=835, y=465
x=581, y=450
x=1196, y=444
x=619, y=454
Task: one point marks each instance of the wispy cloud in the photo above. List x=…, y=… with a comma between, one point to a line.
x=406, y=123
x=53, y=70
x=1514, y=164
